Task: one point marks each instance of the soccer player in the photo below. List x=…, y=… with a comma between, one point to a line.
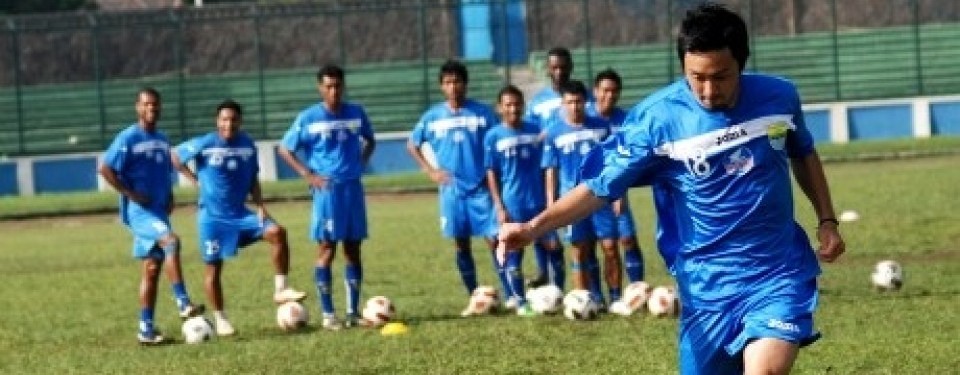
x=455, y=130
x=137, y=165
x=513, y=151
x=569, y=137
x=606, y=91
x=226, y=172
x=721, y=144
x=337, y=140
x=543, y=106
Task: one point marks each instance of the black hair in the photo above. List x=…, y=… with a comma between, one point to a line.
x=509, y=90
x=330, y=70
x=230, y=104
x=610, y=74
x=562, y=53
x=575, y=87
x=456, y=68
x=712, y=27
x=149, y=91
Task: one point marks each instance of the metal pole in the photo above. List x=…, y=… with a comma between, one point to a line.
x=838, y=92
x=98, y=78
x=671, y=53
x=753, y=35
x=505, y=31
x=918, y=52
x=586, y=31
x=17, y=82
x=181, y=80
x=422, y=19
x=258, y=46
x=341, y=43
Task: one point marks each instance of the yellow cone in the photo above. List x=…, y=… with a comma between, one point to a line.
x=394, y=328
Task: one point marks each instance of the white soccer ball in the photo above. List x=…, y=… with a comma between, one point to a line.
x=663, y=302
x=578, y=305
x=634, y=299
x=378, y=311
x=546, y=299
x=483, y=301
x=887, y=275
x=292, y=315
x=196, y=330
x=849, y=216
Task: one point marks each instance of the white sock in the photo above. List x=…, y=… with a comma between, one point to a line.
x=220, y=315
x=279, y=282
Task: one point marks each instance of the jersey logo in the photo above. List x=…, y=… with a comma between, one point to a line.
x=777, y=134
x=783, y=326
x=739, y=162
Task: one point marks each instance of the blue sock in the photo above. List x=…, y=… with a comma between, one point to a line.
x=468, y=271
x=596, y=286
x=353, y=276
x=180, y=293
x=542, y=257
x=633, y=263
x=501, y=274
x=146, y=321
x=557, y=267
x=515, y=276
x=614, y=293
x=323, y=277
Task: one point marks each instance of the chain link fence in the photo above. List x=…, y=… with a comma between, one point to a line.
x=67, y=81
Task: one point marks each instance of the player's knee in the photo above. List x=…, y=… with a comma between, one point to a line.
x=170, y=245
x=275, y=233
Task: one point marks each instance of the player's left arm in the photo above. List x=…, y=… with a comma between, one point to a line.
x=808, y=171
x=256, y=195
x=370, y=142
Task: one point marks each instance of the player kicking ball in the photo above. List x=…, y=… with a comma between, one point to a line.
x=226, y=172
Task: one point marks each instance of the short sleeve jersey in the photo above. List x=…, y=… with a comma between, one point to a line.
x=566, y=146
x=141, y=160
x=331, y=141
x=723, y=179
x=226, y=170
x=515, y=156
x=456, y=137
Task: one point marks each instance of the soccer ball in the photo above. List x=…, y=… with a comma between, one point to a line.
x=634, y=298
x=378, y=311
x=578, y=305
x=663, y=302
x=196, y=330
x=483, y=301
x=292, y=315
x=887, y=275
x=546, y=299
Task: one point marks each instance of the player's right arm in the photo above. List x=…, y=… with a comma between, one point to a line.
x=417, y=138
x=182, y=154
x=291, y=142
x=575, y=205
x=113, y=160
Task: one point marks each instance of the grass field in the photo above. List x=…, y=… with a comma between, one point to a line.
x=69, y=296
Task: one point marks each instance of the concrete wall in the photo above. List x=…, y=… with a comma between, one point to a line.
x=829, y=123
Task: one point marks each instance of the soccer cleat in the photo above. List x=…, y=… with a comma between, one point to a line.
x=353, y=320
x=224, y=328
x=151, y=338
x=330, y=323
x=511, y=303
x=190, y=310
x=620, y=308
x=288, y=295
x=526, y=311
x=538, y=281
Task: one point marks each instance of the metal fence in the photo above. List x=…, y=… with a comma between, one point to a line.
x=67, y=81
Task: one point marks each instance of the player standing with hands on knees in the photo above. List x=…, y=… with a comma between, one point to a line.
x=719, y=146
x=337, y=139
x=137, y=165
x=226, y=172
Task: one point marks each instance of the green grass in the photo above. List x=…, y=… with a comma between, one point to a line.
x=69, y=295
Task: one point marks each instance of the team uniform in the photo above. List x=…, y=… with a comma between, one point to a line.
x=457, y=141
x=332, y=143
x=514, y=155
x=543, y=105
x=744, y=267
x=226, y=170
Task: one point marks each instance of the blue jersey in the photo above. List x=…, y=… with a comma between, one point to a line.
x=515, y=156
x=543, y=105
x=141, y=160
x=725, y=181
x=614, y=120
x=456, y=138
x=332, y=141
x=226, y=171
x=566, y=146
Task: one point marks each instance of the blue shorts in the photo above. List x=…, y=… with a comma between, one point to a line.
x=524, y=214
x=223, y=237
x=712, y=342
x=466, y=215
x=148, y=228
x=339, y=212
x=602, y=224
x=625, y=224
